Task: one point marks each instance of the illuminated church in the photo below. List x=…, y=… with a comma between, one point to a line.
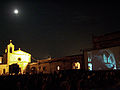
x=13, y=59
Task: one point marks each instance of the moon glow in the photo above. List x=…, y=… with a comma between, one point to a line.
x=16, y=11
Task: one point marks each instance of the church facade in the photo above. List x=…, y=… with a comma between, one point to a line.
x=14, y=57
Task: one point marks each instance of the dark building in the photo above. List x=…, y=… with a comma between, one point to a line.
x=105, y=52
x=106, y=40
x=58, y=64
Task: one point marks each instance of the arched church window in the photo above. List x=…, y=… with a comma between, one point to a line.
x=10, y=49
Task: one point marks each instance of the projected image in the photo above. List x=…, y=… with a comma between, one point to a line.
x=104, y=59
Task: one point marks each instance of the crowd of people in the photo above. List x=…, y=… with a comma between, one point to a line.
x=63, y=80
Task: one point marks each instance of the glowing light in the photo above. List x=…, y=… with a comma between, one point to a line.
x=90, y=66
x=58, y=67
x=76, y=65
x=89, y=60
x=0, y=59
x=16, y=11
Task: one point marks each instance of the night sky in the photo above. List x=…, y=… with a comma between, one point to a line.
x=56, y=29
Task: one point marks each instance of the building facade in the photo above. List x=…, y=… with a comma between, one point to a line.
x=13, y=58
x=58, y=64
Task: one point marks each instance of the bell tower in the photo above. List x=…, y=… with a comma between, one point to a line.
x=10, y=47
x=9, y=51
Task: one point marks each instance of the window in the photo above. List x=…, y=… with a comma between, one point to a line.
x=10, y=49
x=44, y=68
x=58, y=68
x=1, y=59
x=3, y=71
x=89, y=63
x=76, y=65
x=89, y=66
x=19, y=59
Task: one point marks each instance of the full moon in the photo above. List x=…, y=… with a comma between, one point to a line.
x=16, y=11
